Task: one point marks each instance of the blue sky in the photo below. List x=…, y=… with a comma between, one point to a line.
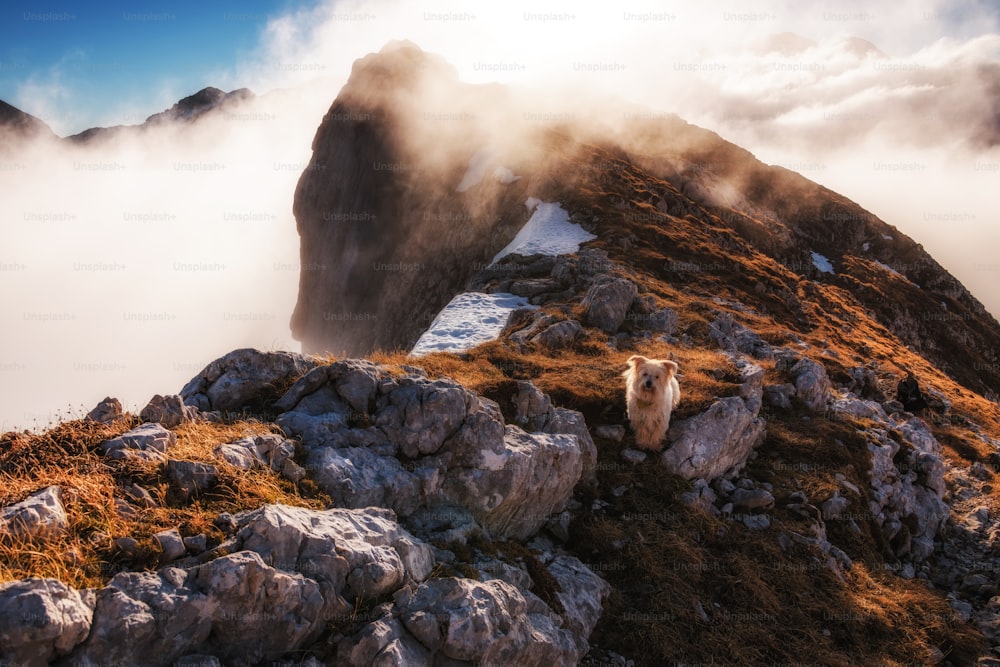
x=76, y=65
x=123, y=54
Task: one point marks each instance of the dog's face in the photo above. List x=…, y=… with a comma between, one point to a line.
x=649, y=377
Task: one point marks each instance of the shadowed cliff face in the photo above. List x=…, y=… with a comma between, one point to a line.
x=387, y=240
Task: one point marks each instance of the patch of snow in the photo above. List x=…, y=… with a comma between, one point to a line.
x=531, y=202
x=469, y=319
x=887, y=237
x=505, y=175
x=866, y=246
x=478, y=165
x=547, y=232
x=821, y=262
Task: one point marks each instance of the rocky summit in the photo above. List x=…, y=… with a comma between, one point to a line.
x=484, y=503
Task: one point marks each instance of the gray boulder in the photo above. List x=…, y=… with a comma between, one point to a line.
x=812, y=385
x=483, y=623
x=413, y=444
x=559, y=335
x=245, y=379
x=107, y=411
x=268, y=450
x=779, y=395
x=148, y=442
x=351, y=553
x=169, y=411
x=39, y=516
x=41, y=620
x=171, y=545
x=717, y=442
x=192, y=477
x=534, y=412
x=236, y=607
x=606, y=303
x=732, y=336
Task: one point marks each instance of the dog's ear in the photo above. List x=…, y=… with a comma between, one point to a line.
x=635, y=360
x=670, y=367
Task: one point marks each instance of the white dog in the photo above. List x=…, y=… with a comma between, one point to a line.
x=651, y=393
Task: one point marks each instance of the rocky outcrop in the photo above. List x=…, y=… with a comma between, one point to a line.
x=386, y=239
x=286, y=574
x=717, y=442
x=245, y=379
x=414, y=444
x=42, y=620
x=908, y=488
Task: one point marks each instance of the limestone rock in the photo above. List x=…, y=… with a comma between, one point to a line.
x=606, y=303
x=779, y=395
x=107, y=411
x=169, y=411
x=171, y=543
x=39, y=516
x=483, y=623
x=235, y=607
x=192, y=477
x=352, y=553
x=812, y=386
x=718, y=441
x=420, y=444
x=148, y=442
x=559, y=335
x=41, y=620
x=244, y=379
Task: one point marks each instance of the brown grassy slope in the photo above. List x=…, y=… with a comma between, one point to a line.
x=87, y=555
x=762, y=604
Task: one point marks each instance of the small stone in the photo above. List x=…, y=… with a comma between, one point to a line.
x=752, y=499
x=140, y=496
x=293, y=471
x=127, y=545
x=226, y=523
x=171, y=543
x=168, y=411
x=192, y=477
x=634, y=456
x=756, y=521
x=612, y=432
x=196, y=544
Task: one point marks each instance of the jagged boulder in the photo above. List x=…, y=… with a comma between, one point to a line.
x=148, y=442
x=812, y=385
x=411, y=443
x=42, y=620
x=237, y=608
x=908, y=488
x=606, y=303
x=244, y=379
x=39, y=516
x=269, y=450
x=717, y=442
x=733, y=337
x=168, y=411
x=106, y=411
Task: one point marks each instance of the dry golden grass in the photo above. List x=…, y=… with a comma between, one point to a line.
x=86, y=555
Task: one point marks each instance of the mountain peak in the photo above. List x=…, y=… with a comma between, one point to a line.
x=22, y=124
x=194, y=106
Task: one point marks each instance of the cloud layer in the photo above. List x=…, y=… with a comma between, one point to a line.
x=125, y=268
